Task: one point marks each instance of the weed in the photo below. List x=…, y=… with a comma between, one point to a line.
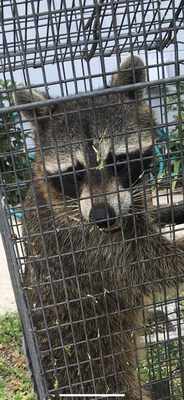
x=14, y=380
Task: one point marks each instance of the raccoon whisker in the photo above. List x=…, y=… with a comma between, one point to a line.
x=139, y=177
x=143, y=192
x=73, y=211
x=71, y=206
x=138, y=210
x=141, y=202
x=60, y=225
x=74, y=218
x=137, y=200
x=70, y=198
x=140, y=187
x=75, y=207
x=68, y=212
x=136, y=204
x=71, y=203
x=66, y=215
x=137, y=197
x=63, y=205
x=137, y=192
x=58, y=208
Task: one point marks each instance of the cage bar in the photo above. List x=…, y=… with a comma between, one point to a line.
x=91, y=167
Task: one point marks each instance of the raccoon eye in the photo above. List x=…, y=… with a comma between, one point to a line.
x=72, y=180
x=79, y=172
x=79, y=175
x=68, y=180
x=121, y=163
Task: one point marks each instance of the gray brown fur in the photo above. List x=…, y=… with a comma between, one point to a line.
x=101, y=277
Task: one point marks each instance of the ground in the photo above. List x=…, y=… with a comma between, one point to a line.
x=7, y=299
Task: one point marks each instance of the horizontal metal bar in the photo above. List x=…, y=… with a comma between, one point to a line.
x=95, y=93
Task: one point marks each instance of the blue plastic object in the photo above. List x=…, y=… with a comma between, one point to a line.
x=162, y=134
x=31, y=155
x=12, y=211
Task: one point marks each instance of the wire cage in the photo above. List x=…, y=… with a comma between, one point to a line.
x=91, y=163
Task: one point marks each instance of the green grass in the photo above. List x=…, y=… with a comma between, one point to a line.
x=14, y=379
x=163, y=362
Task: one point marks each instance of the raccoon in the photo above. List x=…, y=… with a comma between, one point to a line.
x=92, y=248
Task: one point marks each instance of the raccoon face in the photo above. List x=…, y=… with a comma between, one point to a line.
x=102, y=188
x=91, y=148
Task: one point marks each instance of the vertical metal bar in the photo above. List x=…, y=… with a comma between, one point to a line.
x=40, y=384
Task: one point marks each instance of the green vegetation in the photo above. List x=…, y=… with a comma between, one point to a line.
x=14, y=379
x=176, y=139
x=164, y=362
x=170, y=147
x=13, y=162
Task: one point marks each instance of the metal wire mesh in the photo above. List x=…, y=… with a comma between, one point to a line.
x=91, y=150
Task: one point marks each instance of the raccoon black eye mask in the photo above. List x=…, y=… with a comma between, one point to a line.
x=137, y=164
x=71, y=180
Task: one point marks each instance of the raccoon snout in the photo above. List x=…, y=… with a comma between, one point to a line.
x=103, y=216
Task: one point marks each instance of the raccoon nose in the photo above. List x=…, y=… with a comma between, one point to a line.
x=103, y=216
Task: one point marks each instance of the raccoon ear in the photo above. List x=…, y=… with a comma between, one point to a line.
x=131, y=71
x=25, y=96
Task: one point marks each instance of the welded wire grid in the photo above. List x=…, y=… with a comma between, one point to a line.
x=69, y=49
